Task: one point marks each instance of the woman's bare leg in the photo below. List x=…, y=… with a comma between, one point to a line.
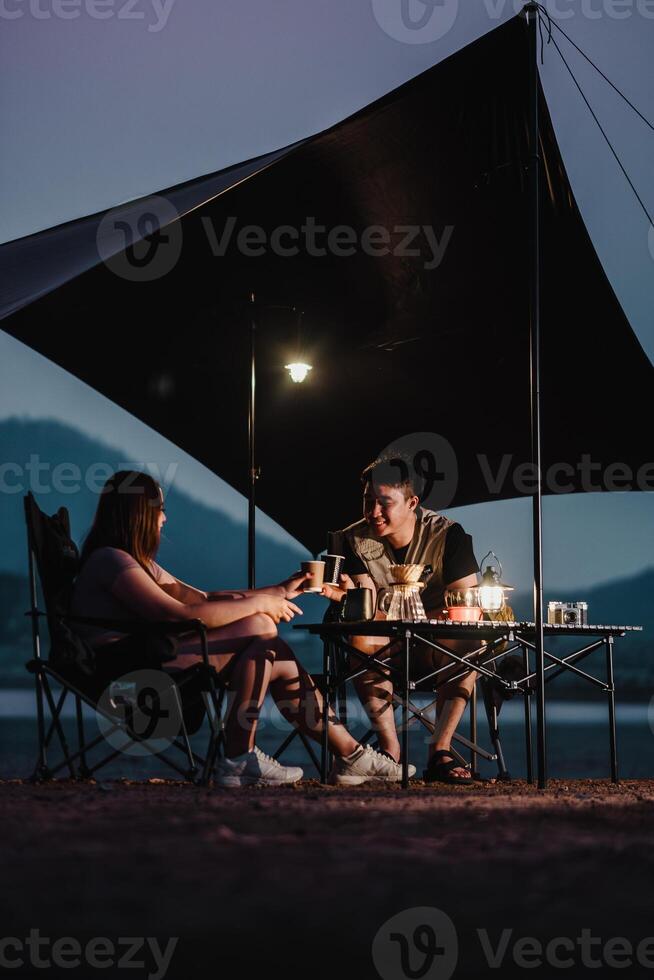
x=301, y=703
x=263, y=659
x=251, y=642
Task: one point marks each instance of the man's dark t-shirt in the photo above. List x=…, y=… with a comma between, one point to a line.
x=458, y=559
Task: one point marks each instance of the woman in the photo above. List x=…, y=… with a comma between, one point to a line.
x=119, y=579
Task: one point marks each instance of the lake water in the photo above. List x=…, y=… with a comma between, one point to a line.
x=578, y=740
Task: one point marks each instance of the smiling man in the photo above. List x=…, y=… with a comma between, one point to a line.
x=395, y=529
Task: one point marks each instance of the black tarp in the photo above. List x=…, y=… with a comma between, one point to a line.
x=34, y=266
x=397, y=347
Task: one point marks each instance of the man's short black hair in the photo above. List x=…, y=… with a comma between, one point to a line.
x=392, y=470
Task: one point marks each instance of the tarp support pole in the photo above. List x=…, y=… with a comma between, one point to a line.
x=531, y=12
x=252, y=467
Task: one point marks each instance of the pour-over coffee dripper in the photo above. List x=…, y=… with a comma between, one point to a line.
x=401, y=600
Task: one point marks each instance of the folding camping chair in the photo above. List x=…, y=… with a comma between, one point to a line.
x=196, y=691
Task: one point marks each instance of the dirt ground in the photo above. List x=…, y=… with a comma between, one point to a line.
x=300, y=881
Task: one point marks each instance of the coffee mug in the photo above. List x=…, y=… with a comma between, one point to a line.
x=317, y=569
x=356, y=605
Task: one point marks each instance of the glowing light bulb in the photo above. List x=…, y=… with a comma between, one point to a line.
x=298, y=371
x=491, y=598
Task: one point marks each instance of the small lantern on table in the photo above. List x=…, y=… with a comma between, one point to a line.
x=492, y=591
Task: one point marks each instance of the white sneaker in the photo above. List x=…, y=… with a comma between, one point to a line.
x=253, y=768
x=366, y=765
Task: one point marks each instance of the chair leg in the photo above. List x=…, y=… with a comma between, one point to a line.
x=327, y=657
x=473, y=733
x=213, y=700
x=285, y=744
x=208, y=762
x=491, y=714
x=41, y=771
x=216, y=741
x=54, y=711
x=611, y=693
x=341, y=693
x=84, y=771
x=528, y=734
x=309, y=747
x=51, y=730
x=192, y=768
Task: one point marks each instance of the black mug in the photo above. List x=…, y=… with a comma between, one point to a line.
x=356, y=605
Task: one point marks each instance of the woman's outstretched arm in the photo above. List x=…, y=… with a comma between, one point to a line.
x=147, y=600
x=290, y=588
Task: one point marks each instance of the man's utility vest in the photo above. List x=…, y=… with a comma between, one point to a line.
x=427, y=548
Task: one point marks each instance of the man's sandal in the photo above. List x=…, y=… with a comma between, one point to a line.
x=441, y=772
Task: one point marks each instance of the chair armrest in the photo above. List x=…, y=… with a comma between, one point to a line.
x=139, y=627
x=174, y=627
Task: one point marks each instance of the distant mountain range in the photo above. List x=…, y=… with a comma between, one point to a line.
x=200, y=545
x=208, y=549
x=625, y=602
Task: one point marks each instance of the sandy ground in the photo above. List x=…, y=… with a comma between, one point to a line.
x=299, y=881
